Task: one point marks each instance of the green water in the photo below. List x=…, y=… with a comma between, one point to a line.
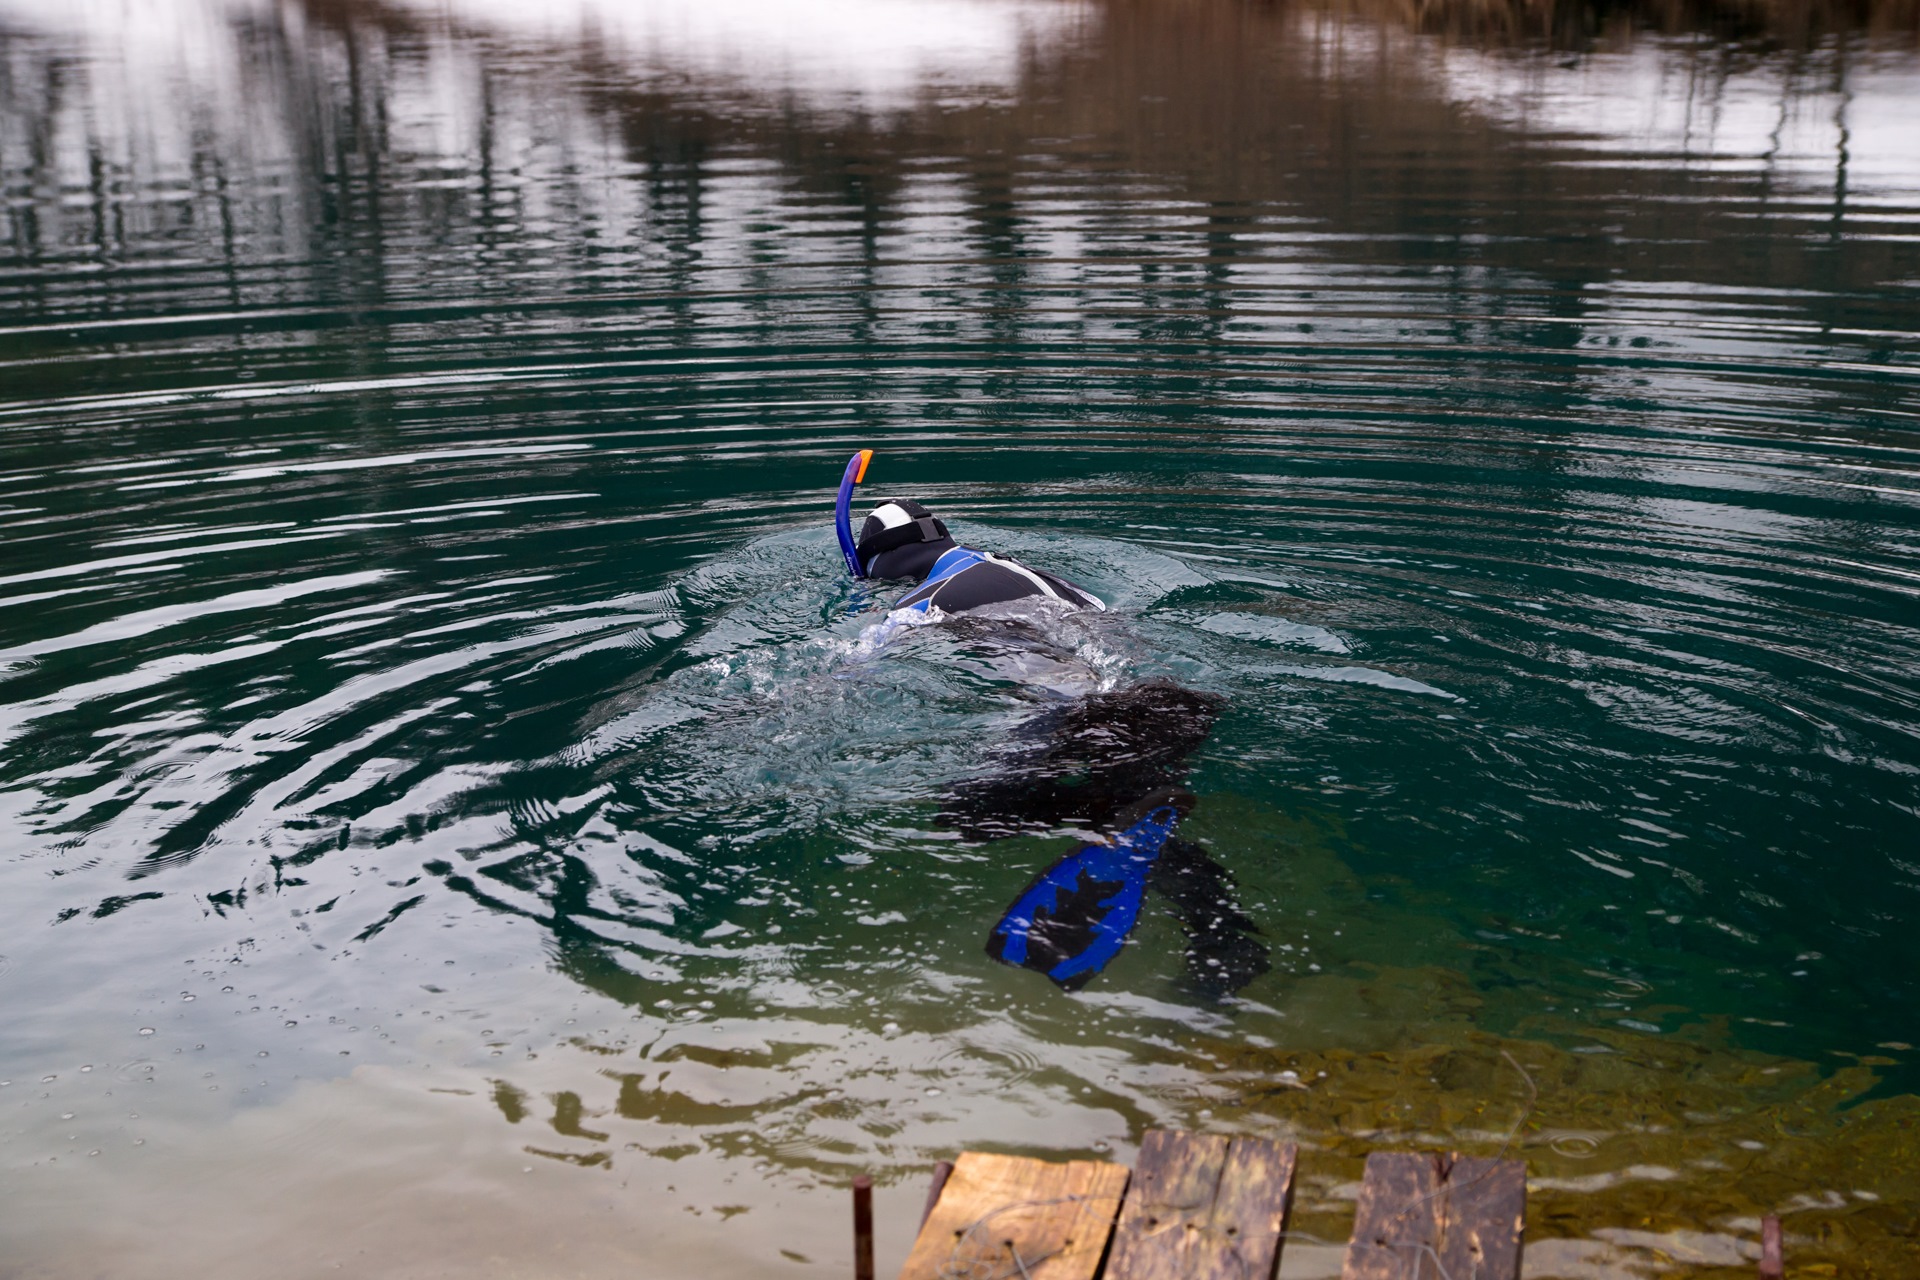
x=455, y=813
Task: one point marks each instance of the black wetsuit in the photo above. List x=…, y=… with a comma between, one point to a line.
x=954, y=578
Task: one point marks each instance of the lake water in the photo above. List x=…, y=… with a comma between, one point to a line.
x=453, y=821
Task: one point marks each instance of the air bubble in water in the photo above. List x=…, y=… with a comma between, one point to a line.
x=146, y=1031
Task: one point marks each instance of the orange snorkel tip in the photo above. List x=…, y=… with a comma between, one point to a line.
x=866, y=456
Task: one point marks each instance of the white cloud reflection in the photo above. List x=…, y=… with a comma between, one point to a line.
x=851, y=55
x=870, y=55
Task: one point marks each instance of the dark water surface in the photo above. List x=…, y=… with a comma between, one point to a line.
x=452, y=817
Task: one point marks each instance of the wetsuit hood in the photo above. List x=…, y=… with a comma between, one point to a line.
x=902, y=539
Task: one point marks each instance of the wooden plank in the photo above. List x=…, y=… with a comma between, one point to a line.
x=1394, y=1219
x=1204, y=1207
x=1487, y=1202
x=1256, y=1195
x=1438, y=1215
x=1007, y=1218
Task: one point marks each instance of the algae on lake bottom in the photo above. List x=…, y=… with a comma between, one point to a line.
x=1643, y=1156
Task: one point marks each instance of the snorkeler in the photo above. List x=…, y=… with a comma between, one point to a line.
x=902, y=539
x=1112, y=761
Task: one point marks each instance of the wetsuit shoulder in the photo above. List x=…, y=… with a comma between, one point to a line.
x=968, y=579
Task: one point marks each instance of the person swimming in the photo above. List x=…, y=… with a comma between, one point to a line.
x=1114, y=761
x=902, y=539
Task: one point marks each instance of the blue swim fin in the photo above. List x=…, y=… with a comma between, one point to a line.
x=1074, y=918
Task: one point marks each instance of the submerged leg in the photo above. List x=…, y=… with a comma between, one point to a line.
x=1086, y=764
x=1224, y=949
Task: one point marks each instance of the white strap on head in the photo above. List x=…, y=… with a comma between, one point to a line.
x=891, y=515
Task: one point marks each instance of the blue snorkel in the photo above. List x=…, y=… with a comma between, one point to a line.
x=843, y=509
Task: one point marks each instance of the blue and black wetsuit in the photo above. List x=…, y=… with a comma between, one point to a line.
x=902, y=539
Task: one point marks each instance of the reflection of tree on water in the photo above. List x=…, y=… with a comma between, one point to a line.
x=1231, y=105
x=1575, y=26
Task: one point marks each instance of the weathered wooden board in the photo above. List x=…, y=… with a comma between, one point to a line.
x=1416, y=1211
x=1204, y=1207
x=1007, y=1218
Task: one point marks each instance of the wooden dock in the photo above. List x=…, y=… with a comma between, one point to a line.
x=1206, y=1207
